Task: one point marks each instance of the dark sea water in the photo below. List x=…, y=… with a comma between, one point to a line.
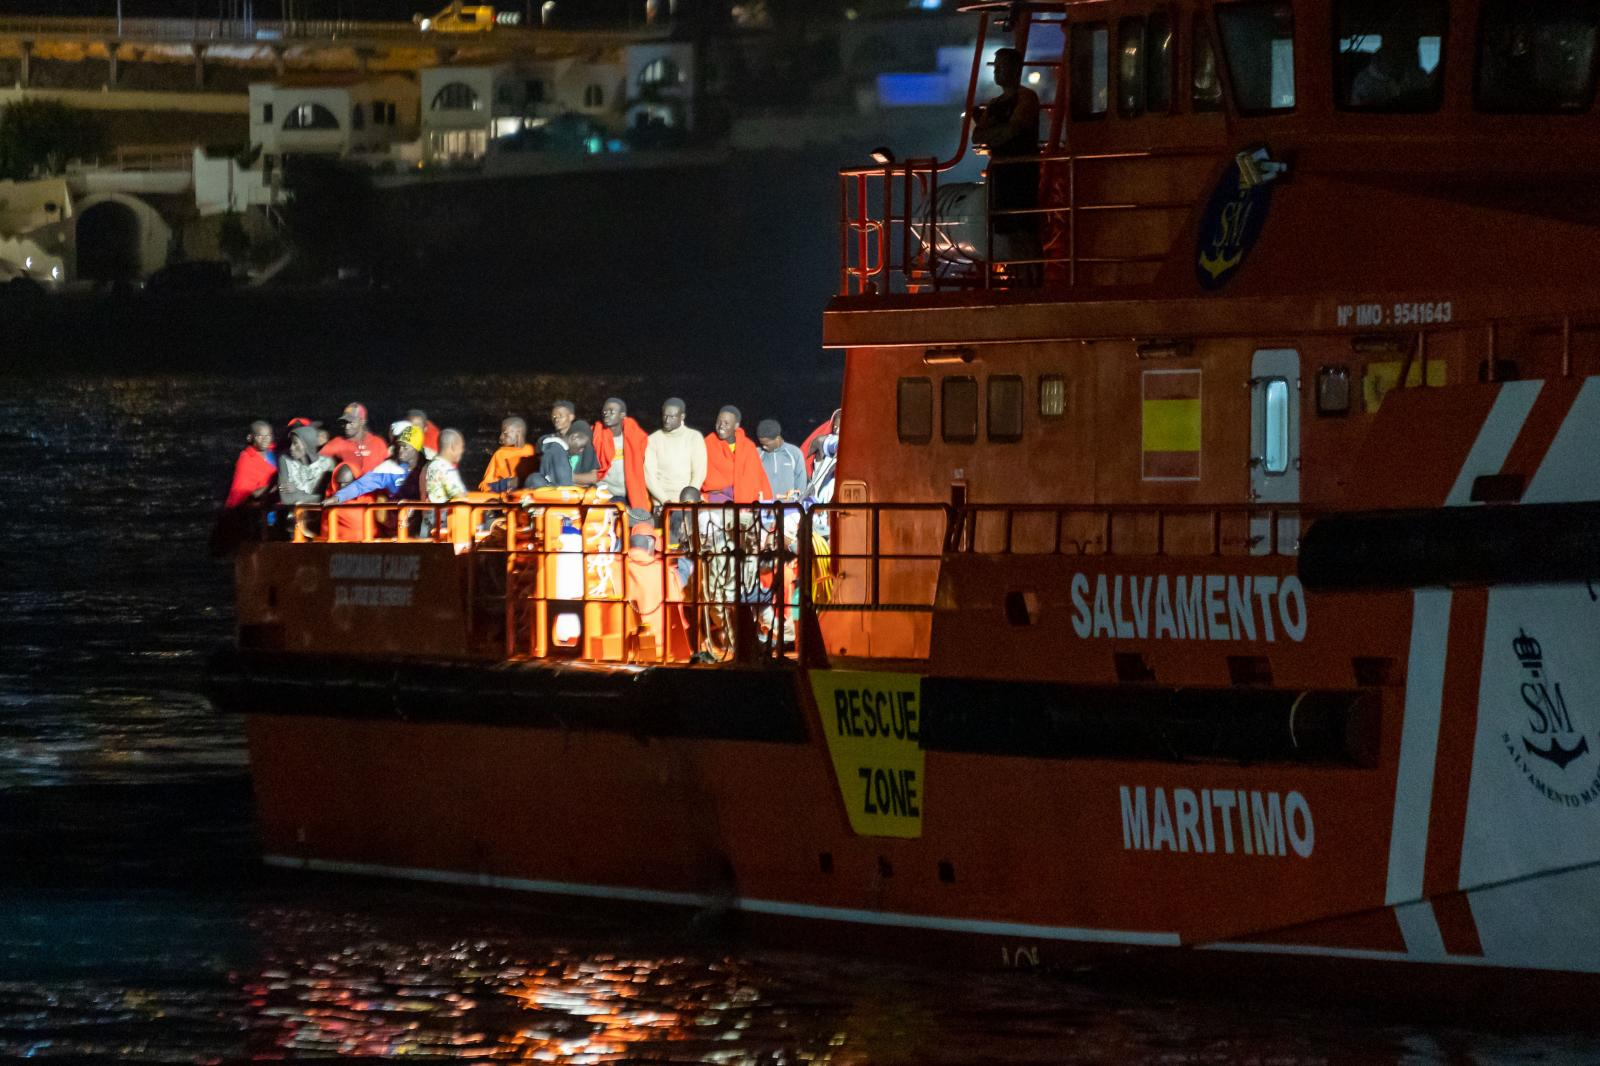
x=135, y=921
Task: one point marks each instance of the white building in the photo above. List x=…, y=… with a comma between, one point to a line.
x=467, y=111
x=345, y=117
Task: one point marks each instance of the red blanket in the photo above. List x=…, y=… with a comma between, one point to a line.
x=805, y=449
x=737, y=468
x=634, y=442
x=251, y=471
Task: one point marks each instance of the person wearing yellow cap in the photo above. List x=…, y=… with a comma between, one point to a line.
x=397, y=476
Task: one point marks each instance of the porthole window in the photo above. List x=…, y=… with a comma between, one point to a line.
x=914, y=403
x=1052, y=396
x=959, y=410
x=1005, y=408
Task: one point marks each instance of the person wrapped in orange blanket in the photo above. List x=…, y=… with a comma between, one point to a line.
x=734, y=473
x=624, y=480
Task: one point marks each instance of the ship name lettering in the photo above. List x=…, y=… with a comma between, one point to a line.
x=888, y=791
x=1215, y=607
x=867, y=713
x=1207, y=821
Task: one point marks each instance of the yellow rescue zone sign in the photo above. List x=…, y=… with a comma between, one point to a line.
x=873, y=722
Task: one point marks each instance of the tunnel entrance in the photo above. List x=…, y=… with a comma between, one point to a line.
x=108, y=243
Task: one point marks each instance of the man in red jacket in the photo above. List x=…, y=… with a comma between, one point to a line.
x=362, y=449
x=255, y=471
x=734, y=473
x=616, y=436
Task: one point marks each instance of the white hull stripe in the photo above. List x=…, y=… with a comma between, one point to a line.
x=1419, y=744
x=779, y=908
x=1499, y=432
x=1420, y=928
x=1568, y=471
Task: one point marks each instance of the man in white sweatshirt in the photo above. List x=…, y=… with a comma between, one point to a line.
x=675, y=457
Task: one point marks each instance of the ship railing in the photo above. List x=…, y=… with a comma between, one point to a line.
x=897, y=234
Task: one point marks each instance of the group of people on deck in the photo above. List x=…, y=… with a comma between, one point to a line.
x=612, y=460
x=419, y=461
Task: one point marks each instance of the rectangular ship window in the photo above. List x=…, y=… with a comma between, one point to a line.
x=1090, y=89
x=1536, y=55
x=960, y=410
x=1130, y=67
x=1205, y=89
x=1258, y=40
x=1158, y=52
x=915, y=410
x=1389, y=56
x=1005, y=408
x=1052, y=396
x=1275, y=454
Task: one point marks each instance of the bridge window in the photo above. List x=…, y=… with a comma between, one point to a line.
x=1005, y=408
x=1205, y=84
x=915, y=406
x=1258, y=41
x=457, y=96
x=1052, y=396
x=1144, y=66
x=1090, y=78
x=1536, y=55
x=310, y=117
x=959, y=410
x=1389, y=55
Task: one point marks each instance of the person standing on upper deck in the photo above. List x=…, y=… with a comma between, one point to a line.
x=734, y=473
x=1008, y=127
x=619, y=448
x=513, y=461
x=674, y=457
x=363, y=450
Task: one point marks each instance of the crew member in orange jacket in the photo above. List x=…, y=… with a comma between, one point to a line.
x=513, y=461
x=256, y=469
x=359, y=447
x=734, y=473
x=616, y=425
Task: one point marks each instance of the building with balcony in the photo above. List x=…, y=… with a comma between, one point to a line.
x=332, y=115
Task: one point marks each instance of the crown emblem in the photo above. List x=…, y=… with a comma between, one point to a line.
x=1527, y=650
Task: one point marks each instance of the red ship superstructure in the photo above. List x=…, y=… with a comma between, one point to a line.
x=1209, y=566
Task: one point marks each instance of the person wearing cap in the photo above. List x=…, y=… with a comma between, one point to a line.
x=619, y=449
x=513, y=461
x=303, y=474
x=783, y=462
x=396, y=477
x=363, y=450
x=734, y=473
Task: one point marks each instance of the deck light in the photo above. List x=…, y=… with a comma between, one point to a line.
x=882, y=156
x=948, y=356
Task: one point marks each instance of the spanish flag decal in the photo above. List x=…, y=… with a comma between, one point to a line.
x=1170, y=429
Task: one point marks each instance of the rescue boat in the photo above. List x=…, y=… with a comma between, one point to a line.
x=1220, y=586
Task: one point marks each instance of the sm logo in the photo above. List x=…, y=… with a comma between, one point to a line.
x=1229, y=225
